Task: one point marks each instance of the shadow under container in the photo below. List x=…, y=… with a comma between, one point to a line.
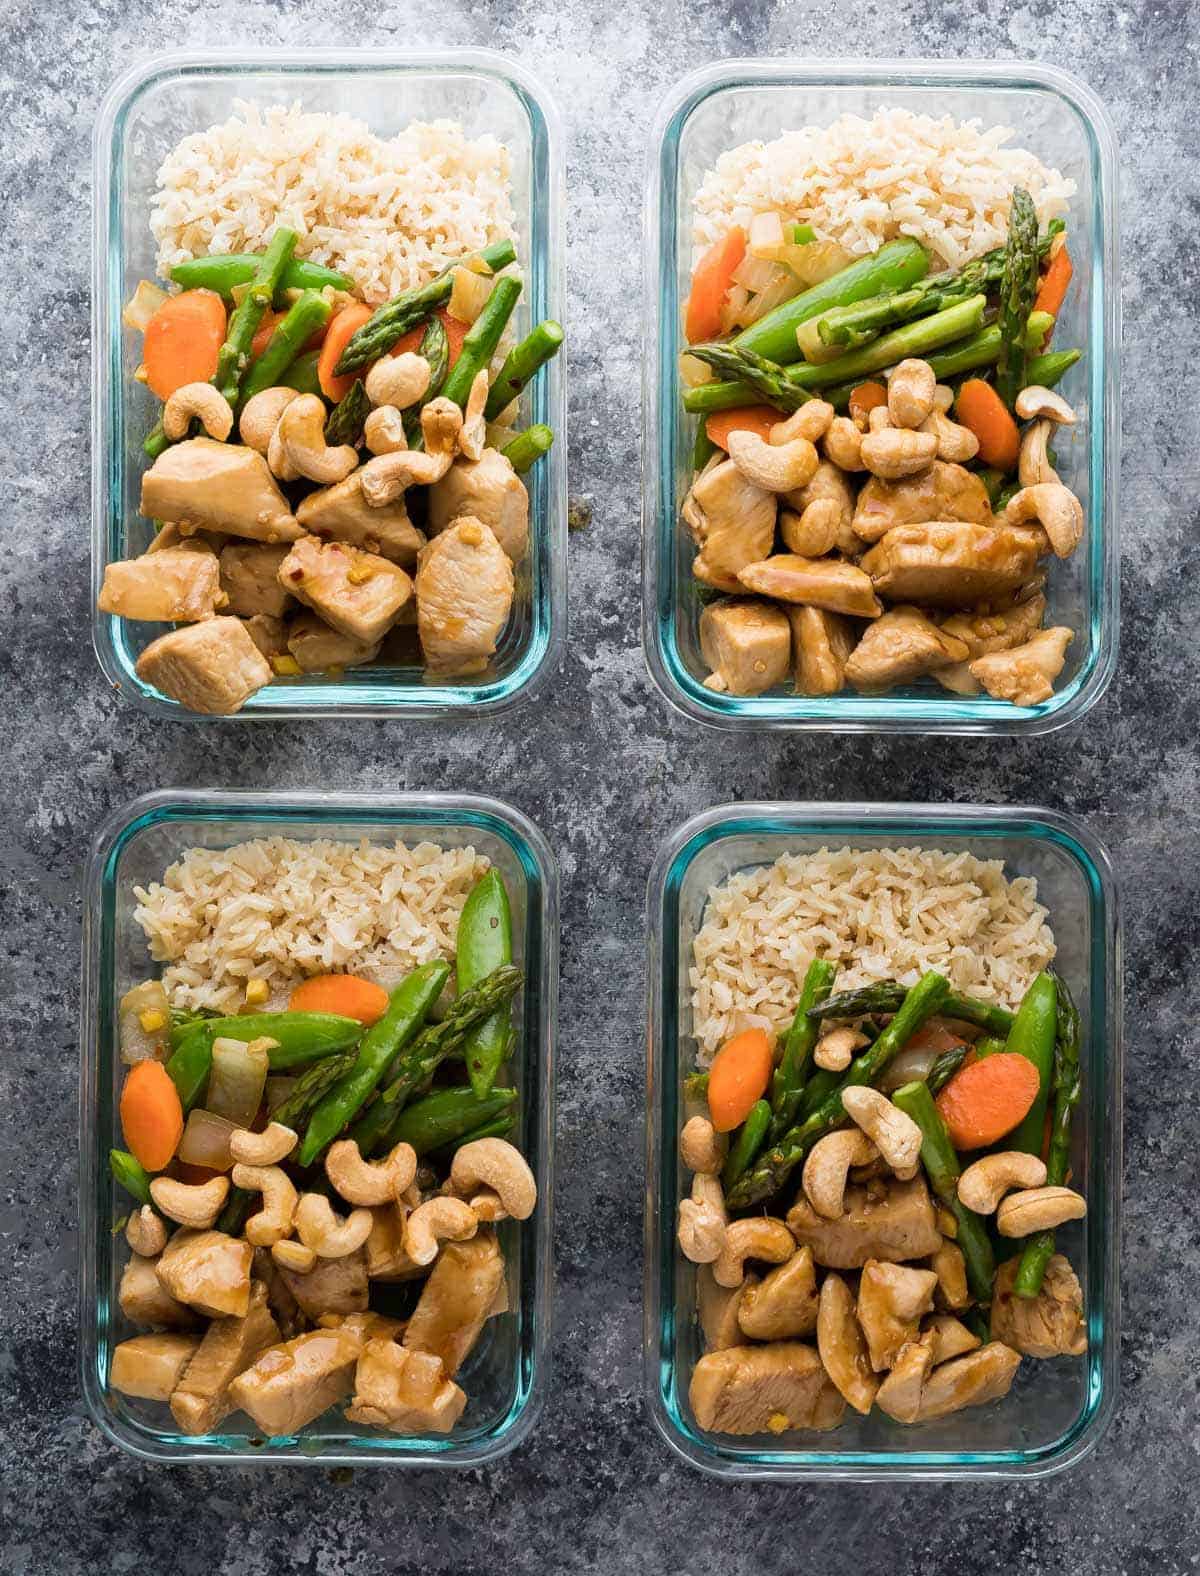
x=1066, y=126
x=143, y=117
x=1056, y=1410
x=505, y=1377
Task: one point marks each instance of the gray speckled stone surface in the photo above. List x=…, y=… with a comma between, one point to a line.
x=606, y=771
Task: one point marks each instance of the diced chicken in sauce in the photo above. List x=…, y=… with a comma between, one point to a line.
x=404, y=1391
x=359, y=594
x=174, y=586
x=212, y=667
x=219, y=487
x=951, y=563
x=942, y=491
x=250, y=578
x=457, y=1299
x=830, y=583
x=764, y=1389
x=821, y=646
x=208, y=1270
x=487, y=489
x=464, y=592
x=898, y=1225
x=317, y=647
x=341, y=514
x=290, y=1385
x=900, y=646
x=144, y=1300
x=732, y=523
x=150, y=1366
x=747, y=644
x=201, y=1398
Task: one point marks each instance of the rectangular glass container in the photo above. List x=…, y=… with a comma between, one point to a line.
x=505, y=1376
x=144, y=115
x=1061, y=121
x=1056, y=1410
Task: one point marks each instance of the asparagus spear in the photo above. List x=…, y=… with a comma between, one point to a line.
x=1067, y=1089
x=945, y=1067
x=483, y=336
x=776, y=1164
x=787, y=1085
x=765, y=380
x=523, y=360
x=887, y=995
x=307, y=313
x=750, y=1138
x=346, y=420
x=233, y=358
x=1018, y=291
x=528, y=447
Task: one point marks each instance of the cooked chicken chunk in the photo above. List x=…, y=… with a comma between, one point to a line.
x=288, y=1386
x=900, y=1393
x=331, y=1286
x=457, y=1299
x=951, y=1338
x=1048, y=1325
x=843, y=1347
x=1024, y=675
x=900, y=646
x=951, y=562
x=783, y=1305
x=830, y=482
x=250, y=578
x=973, y=1380
x=175, y=586
x=746, y=644
x=359, y=594
x=284, y=1308
x=717, y=1309
x=208, y=1270
x=818, y=582
x=949, y=1266
x=268, y=634
x=341, y=514
x=940, y=492
x=732, y=523
x=386, y=1256
x=487, y=489
x=763, y=1389
x=316, y=647
x=212, y=667
x=891, y=1300
x=464, y=596
x=896, y=1227
x=149, y=1366
x=144, y=1300
x=201, y=1398
x=821, y=643
x=1010, y=624
x=218, y=486
x=404, y=1391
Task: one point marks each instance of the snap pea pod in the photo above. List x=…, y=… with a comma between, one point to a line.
x=528, y=447
x=483, y=336
x=446, y=1115
x=703, y=449
x=1033, y=1036
x=188, y=1069
x=345, y=422
x=155, y=442
x=540, y=345
x=887, y=995
x=1047, y=370
x=224, y=274
x=301, y=1037
x=1039, y=1248
x=750, y=1138
x=408, y=1007
x=484, y=943
x=986, y=1045
x=234, y=355
x=787, y=1083
x=499, y=1127
x=130, y=1174
x=307, y=314
x=302, y=374
x=941, y=1166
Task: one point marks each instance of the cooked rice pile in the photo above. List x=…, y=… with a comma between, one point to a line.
x=389, y=212
x=887, y=913
x=863, y=182
x=280, y=910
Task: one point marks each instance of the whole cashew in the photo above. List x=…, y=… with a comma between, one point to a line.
x=835, y=1050
x=776, y=467
x=298, y=445
x=1039, y=1209
x=387, y=476
x=488, y=1207
x=813, y=533
x=398, y=380
x=362, y=1181
x=260, y=417
x=190, y=1203
x=327, y=1234
x=985, y=1182
x=268, y=1148
x=758, y=1237
x=146, y=1232
x=473, y=437
x=896, y=1135
x=879, y=419
x=274, y=1220
x=383, y=431
x=956, y=444
x=441, y=425
x=897, y=452
x=701, y=1147
x=294, y=1256
x=1043, y=402
x=439, y=1220
x=829, y=1161
x=911, y=391
x=943, y=397
x=1055, y=508
x=500, y=1166
x=1034, y=465
x=703, y=1221
x=203, y=401
x=811, y=421
x=843, y=444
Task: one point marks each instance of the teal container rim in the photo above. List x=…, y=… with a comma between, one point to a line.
x=338, y=810
x=363, y=692
x=922, y=823
x=662, y=595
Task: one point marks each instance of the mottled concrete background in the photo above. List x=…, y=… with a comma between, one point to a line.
x=607, y=772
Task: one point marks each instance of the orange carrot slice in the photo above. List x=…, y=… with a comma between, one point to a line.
x=710, y=285
x=865, y=398
x=151, y=1115
x=456, y=332
x=344, y=994
x=738, y=1078
x=744, y=418
x=342, y=328
x=981, y=409
x=182, y=341
x=1052, y=290
x=984, y=1101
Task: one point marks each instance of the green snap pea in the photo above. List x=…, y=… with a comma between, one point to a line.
x=302, y=1037
x=749, y=1140
x=130, y=1174
x=224, y=274
x=484, y=944
x=189, y=1067
x=446, y=1115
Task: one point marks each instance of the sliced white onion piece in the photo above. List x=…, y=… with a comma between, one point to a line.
x=205, y=1140
x=237, y=1080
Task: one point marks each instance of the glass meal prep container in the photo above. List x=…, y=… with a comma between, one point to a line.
x=1061, y=121
x=144, y=115
x=505, y=1376
x=1057, y=1409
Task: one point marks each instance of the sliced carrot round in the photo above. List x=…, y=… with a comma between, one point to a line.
x=456, y=332
x=344, y=994
x=980, y=408
x=710, y=285
x=744, y=418
x=738, y=1078
x=342, y=328
x=866, y=398
x=182, y=341
x=984, y=1101
x=151, y=1115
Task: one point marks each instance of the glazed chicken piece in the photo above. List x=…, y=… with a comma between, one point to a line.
x=341, y=514
x=290, y=1385
x=900, y=646
x=209, y=1270
x=457, y=1299
x=359, y=594
x=250, y=578
x=941, y=491
x=746, y=644
x=783, y=1305
x=486, y=489
x=143, y=1299
x=829, y=481
x=1048, y=1325
x=732, y=523
x=285, y=1310
x=717, y=1309
x=1009, y=623
x=404, y=1391
x=900, y=1393
x=899, y=1226
x=316, y=647
x=387, y=1259
x=818, y=582
x=464, y=596
x=149, y=1366
x=213, y=667
x=268, y=634
x=763, y=1389
x=821, y=644
x=218, y=486
x=951, y=563
x=973, y=1380
x=1024, y=675
x=201, y=1397
x=891, y=1300
x=174, y=586
x=332, y=1286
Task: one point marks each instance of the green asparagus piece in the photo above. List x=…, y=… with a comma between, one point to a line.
x=483, y=336
x=776, y=1164
x=528, y=447
x=941, y=1166
x=765, y=380
x=1033, y=1037
x=751, y=1136
x=539, y=346
x=384, y=327
x=449, y=1114
x=820, y=1086
x=303, y=374
x=945, y=1067
x=703, y=449
x=887, y=995
x=234, y=355
x=130, y=1174
x=307, y=314
x=787, y=1084
x=311, y=1087
x=435, y=347
x=345, y=423
x=1018, y=290
x=1039, y=1248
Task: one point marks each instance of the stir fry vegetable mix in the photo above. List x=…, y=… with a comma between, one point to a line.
x=283, y=1211
x=915, y=1122
x=925, y=510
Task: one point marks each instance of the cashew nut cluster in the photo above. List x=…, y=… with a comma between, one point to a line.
x=327, y=1234
x=496, y=1164
x=1039, y=1209
x=383, y=431
x=896, y=1135
x=202, y=401
x=775, y=467
x=368, y=1182
x=1055, y=508
x=985, y=1182
x=897, y=452
x=811, y=421
x=195, y=1204
x=827, y=1166
x=388, y=476
x=843, y=444
x=835, y=1050
x=298, y=448
x=441, y=1219
x=399, y=381
x=260, y=417
x=703, y=1220
x=701, y=1147
x=911, y=391
x=274, y=1220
